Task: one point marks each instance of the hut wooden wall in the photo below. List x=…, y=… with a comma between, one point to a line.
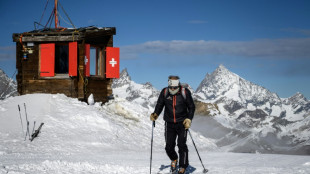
x=100, y=89
x=29, y=81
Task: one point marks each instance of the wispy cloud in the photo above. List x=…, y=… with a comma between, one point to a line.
x=197, y=22
x=305, y=32
x=296, y=48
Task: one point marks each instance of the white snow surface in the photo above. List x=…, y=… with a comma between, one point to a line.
x=81, y=138
x=114, y=138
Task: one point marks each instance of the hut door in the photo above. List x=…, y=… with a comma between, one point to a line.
x=47, y=58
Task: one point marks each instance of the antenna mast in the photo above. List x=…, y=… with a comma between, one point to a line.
x=56, y=15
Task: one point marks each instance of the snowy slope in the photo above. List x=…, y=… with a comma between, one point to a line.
x=110, y=139
x=78, y=138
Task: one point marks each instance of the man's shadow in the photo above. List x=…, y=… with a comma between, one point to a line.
x=189, y=169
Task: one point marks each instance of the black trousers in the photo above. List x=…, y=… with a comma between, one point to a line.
x=172, y=131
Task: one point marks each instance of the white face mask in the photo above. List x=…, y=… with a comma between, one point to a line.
x=173, y=92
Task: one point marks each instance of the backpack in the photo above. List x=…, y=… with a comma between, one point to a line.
x=183, y=91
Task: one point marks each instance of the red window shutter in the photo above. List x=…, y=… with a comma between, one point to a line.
x=47, y=55
x=72, y=58
x=87, y=60
x=112, y=62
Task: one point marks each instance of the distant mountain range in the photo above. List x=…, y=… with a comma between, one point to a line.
x=8, y=86
x=237, y=95
x=255, y=119
x=244, y=117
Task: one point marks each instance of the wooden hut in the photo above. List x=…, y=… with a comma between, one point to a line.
x=59, y=61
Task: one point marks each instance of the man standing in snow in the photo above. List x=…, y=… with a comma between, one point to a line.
x=178, y=115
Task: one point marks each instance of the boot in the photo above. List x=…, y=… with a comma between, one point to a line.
x=182, y=170
x=173, y=167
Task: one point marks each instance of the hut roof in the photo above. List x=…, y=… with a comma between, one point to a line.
x=65, y=34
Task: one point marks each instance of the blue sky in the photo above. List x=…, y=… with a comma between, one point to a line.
x=264, y=41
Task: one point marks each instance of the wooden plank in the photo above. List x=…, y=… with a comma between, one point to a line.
x=49, y=86
x=80, y=83
x=49, y=39
x=51, y=33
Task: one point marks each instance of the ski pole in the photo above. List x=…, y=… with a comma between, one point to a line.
x=27, y=122
x=153, y=125
x=204, y=169
x=21, y=121
x=34, y=125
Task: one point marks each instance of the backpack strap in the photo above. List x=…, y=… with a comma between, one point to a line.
x=183, y=92
x=166, y=92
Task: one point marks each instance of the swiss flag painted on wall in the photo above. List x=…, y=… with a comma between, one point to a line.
x=112, y=62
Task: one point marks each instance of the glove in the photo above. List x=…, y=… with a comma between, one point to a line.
x=187, y=123
x=153, y=116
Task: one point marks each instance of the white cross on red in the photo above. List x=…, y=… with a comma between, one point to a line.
x=113, y=62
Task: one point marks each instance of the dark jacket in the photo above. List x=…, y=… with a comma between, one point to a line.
x=177, y=108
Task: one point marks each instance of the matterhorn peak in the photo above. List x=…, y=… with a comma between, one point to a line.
x=124, y=74
x=123, y=79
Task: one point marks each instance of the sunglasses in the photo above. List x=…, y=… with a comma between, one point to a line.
x=173, y=87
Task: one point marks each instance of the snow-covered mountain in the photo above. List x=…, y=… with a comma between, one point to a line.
x=236, y=95
x=255, y=119
x=8, y=86
x=298, y=104
x=142, y=94
x=234, y=92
